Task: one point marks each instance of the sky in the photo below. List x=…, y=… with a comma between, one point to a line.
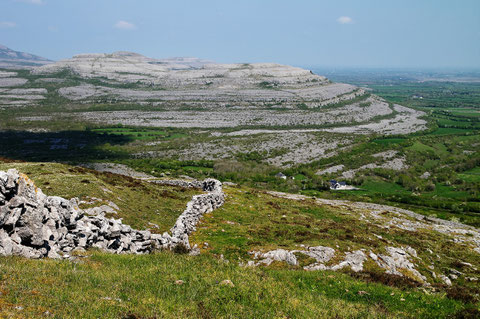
x=335, y=33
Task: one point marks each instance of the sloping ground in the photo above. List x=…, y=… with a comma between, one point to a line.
x=200, y=84
x=354, y=113
x=179, y=83
x=282, y=149
x=13, y=95
x=165, y=285
x=261, y=228
x=133, y=67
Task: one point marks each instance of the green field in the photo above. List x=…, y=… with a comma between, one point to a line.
x=468, y=112
x=388, y=141
x=472, y=175
x=141, y=134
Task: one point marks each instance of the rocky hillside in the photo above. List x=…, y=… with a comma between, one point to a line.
x=290, y=113
x=174, y=72
x=188, y=83
x=19, y=60
x=198, y=83
x=35, y=225
x=329, y=257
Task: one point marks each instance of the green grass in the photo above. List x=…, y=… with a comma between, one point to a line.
x=141, y=134
x=126, y=286
x=251, y=221
x=300, y=177
x=472, y=175
x=388, y=141
x=446, y=122
x=419, y=147
x=382, y=187
x=199, y=169
x=449, y=192
x=465, y=112
x=117, y=286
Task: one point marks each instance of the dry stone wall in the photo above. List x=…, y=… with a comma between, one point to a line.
x=196, y=208
x=34, y=225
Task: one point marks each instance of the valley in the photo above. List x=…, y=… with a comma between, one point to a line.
x=112, y=131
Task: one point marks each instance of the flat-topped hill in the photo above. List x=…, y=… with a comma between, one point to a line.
x=262, y=102
x=171, y=72
x=197, y=82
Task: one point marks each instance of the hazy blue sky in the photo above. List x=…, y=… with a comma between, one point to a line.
x=393, y=33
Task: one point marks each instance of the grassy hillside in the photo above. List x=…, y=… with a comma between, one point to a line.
x=167, y=285
x=123, y=286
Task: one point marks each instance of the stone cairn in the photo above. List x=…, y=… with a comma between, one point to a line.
x=34, y=225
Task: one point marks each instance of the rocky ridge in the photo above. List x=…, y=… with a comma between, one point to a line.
x=34, y=225
x=196, y=82
x=131, y=67
x=181, y=88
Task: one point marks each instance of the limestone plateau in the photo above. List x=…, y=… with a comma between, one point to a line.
x=198, y=82
x=266, y=107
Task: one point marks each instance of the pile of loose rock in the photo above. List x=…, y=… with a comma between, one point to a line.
x=35, y=225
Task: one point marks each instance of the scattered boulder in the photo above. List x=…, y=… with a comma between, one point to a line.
x=398, y=259
x=354, y=260
x=425, y=175
x=277, y=255
x=446, y=280
x=321, y=254
x=103, y=209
